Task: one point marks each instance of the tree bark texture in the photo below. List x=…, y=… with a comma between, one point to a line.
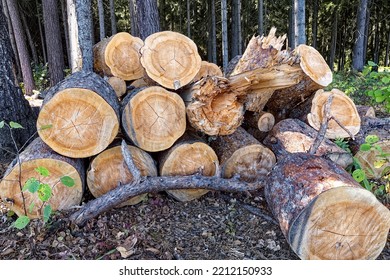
x=102, y=29
x=358, y=48
x=30, y=40
x=260, y=18
x=84, y=29
x=299, y=22
x=74, y=48
x=225, y=43
x=113, y=17
x=147, y=18
x=236, y=28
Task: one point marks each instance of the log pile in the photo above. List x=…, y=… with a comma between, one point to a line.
x=186, y=129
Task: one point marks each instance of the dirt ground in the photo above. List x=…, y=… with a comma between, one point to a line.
x=216, y=226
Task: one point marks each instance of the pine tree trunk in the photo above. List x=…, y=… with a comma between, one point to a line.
x=66, y=30
x=188, y=19
x=315, y=24
x=236, y=28
x=133, y=20
x=30, y=41
x=55, y=53
x=387, y=56
x=299, y=22
x=74, y=48
x=213, y=34
x=358, y=48
x=225, y=48
x=102, y=29
x=113, y=17
x=291, y=28
x=84, y=29
x=41, y=33
x=147, y=18
x=260, y=17
x=334, y=40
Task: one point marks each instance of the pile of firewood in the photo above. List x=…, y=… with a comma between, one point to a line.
x=191, y=128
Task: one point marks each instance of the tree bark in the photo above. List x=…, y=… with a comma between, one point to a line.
x=113, y=17
x=29, y=37
x=260, y=17
x=236, y=28
x=41, y=33
x=387, y=56
x=147, y=18
x=84, y=29
x=315, y=24
x=225, y=48
x=213, y=34
x=74, y=47
x=66, y=31
x=55, y=53
x=334, y=39
x=299, y=22
x=358, y=48
x=133, y=20
x=102, y=29
x=24, y=56
x=188, y=19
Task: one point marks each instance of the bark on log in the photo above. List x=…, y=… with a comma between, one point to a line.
x=82, y=113
x=294, y=136
x=365, y=111
x=38, y=154
x=170, y=58
x=207, y=69
x=108, y=170
x=119, y=56
x=263, y=121
x=118, y=84
x=323, y=212
x=242, y=156
x=342, y=110
x=190, y=155
x=153, y=118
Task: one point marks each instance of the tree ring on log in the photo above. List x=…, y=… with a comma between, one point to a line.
x=341, y=223
x=83, y=123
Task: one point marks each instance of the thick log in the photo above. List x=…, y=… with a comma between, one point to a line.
x=323, y=212
x=189, y=155
x=80, y=114
x=207, y=69
x=342, y=111
x=153, y=118
x=38, y=154
x=107, y=170
x=170, y=58
x=118, y=84
x=119, y=56
x=294, y=136
x=242, y=156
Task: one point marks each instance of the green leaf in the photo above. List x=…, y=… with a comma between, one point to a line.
x=15, y=125
x=379, y=163
x=47, y=126
x=42, y=171
x=359, y=175
x=31, y=207
x=371, y=63
x=380, y=99
x=31, y=184
x=2, y=123
x=44, y=192
x=371, y=139
x=385, y=80
x=67, y=181
x=21, y=222
x=365, y=147
x=46, y=213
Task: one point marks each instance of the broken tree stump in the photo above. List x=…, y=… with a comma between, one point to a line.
x=37, y=154
x=80, y=114
x=323, y=212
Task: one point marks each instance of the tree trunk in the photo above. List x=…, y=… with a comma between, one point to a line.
x=358, y=48
x=24, y=57
x=236, y=28
x=147, y=18
x=153, y=118
x=41, y=33
x=84, y=33
x=225, y=49
x=102, y=29
x=213, y=34
x=66, y=31
x=74, y=47
x=83, y=114
x=29, y=37
x=55, y=53
x=387, y=56
x=13, y=106
x=315, y=24
x=133, y=21
x=260, y=17
x=189, y=155
x=366, y=31
x=188, y=19
x=376, y=45
x=325, y=213
x=38, y=154
x=113, y=17
x=291, y=27
x=299, y=22
x=333, y=40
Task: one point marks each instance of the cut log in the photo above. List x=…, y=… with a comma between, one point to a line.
x=36, y=155
x=342, y=110
x=190, y=155
x=323, y=212
x=294, y=136
x=81, y=116
x=118, y=84
x=108, y=170
x=119, y=56
x=153, y=118
x=207, y=69
x=170, y=58
x=242, y=156
x=263, y=121
x=365, y=111
x=212, y=107
x=145, y=81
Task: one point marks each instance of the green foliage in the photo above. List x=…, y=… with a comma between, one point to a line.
x=343, y=144
x=67, y=181
x=41, y=76
x=21, y=222
x=42, y=171
x=380, y=85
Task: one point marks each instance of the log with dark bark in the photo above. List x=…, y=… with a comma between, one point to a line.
x=80, y=114
x=153, y=118
x=323, y=212
x=294, y=136
x=242, y=156
x=189, y=155
x=36, y=155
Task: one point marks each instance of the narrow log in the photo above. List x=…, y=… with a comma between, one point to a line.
x=108, y=170
x=263, y=121
x=118, y=84
x=153, y=118
x=323, y=212
x=294, y=136
x=80, y=114
x=242, y=156
x=342, y=111
x=119, y=56
x=190, y=155
x=38, y=154
x=170, y=58
x=207, y=69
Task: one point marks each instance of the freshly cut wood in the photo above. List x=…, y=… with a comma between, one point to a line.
x=207, y=69
x=153, y=118
x=80, y=114
x=145, y=81
x=263, y=121
x=323, y=212
x=190, y=155
x=38, y=154
x=376, y=161
x=242, y=156
x=108, y=170
x=294, y=136
x=212, y=107
x=342, y=109
x=119, y=85
x=170, y=58
x=119, y=55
